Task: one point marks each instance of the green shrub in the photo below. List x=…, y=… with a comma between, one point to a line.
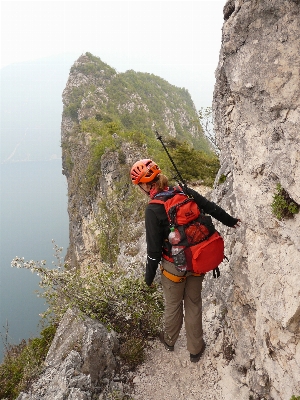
x=120, y=301
x=295, y=398
x=74, y=102
x=102, y=141
x=283, y=206
x=23, y=362
x=132, y=351
x=100, y=127
x=98, y=148
x=138, y=138
x=108, y=223
x=68, y=163
x=195, y=164
x=222, y=179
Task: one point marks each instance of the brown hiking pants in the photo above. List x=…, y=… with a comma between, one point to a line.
x=177, y=295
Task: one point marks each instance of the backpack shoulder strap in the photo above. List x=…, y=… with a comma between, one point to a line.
x=156, y=201
x=162, y=197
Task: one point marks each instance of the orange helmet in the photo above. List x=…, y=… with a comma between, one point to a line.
x=144, y=171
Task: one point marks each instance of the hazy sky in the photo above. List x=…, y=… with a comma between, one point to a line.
x=176, y=40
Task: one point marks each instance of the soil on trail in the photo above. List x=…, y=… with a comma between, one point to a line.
x=171, y=376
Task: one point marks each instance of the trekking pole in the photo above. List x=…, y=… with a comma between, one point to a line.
x=182, y=181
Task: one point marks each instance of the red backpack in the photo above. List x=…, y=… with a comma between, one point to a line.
x=203, y=245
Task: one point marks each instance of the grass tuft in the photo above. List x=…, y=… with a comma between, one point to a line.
x=283, y=206
x=22, y=363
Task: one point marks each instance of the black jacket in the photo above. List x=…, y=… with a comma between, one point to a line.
x=158, y=229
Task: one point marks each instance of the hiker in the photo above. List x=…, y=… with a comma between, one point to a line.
x=179, y=288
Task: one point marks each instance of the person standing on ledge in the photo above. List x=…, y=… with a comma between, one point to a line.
x=178, y=288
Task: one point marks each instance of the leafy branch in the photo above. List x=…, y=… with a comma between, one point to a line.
x=119, y=300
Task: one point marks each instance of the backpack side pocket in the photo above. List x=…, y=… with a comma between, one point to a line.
x=208, y=254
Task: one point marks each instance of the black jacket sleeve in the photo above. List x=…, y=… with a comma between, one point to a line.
x=151, y=267
x=155, y=222
x=213, y=209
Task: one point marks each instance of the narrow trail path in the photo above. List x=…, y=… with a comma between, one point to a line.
x=171, y=376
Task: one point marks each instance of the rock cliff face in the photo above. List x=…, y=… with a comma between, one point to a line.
x=257, y=116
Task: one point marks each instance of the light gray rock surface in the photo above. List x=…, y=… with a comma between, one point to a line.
x=257, y=116
x=80, y=362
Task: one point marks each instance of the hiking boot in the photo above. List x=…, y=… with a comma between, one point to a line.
x=196, y=357
x=167, y=346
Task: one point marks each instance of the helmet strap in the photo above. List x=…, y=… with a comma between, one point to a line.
x=145, y=191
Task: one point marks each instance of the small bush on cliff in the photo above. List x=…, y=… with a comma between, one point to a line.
x=222, y=179
x=108, y=222
x=283, y=206
x=121, y=302
x=75, y=98
x=195, y=164
x=23, y=362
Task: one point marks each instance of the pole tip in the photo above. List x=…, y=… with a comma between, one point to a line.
x=158, y=136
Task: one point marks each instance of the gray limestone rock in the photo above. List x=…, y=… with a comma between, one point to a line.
x=257, y=115
x=80, y=361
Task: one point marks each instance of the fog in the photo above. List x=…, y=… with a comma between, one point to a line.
x=176, y=40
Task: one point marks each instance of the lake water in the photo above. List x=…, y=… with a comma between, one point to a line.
x=33, y=212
